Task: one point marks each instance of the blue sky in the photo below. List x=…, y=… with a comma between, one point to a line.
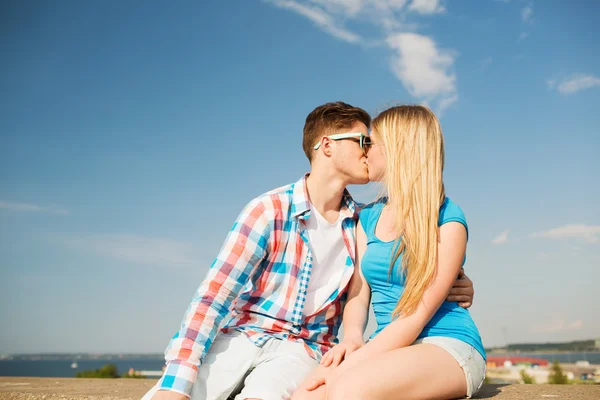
x=131, y=135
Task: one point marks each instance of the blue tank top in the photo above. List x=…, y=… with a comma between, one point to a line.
x=450, y=320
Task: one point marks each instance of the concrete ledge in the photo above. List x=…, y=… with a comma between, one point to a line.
x=16, y=388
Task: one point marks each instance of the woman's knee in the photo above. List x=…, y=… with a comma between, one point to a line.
x=346, y=389
x=298, y=395
x=302, y=394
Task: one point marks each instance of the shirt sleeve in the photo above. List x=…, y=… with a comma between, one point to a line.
x=451, y=212
x=244, y=249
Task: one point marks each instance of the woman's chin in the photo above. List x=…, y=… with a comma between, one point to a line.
x=375, y=178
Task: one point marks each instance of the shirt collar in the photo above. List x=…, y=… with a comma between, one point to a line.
x=301, y=203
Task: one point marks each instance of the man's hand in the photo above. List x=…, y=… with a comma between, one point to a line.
x=168, y=395
x=339, y=352
x=462, y=291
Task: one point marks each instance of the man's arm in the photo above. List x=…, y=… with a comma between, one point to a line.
x=244, y=249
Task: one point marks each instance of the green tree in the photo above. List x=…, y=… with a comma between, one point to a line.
x=557, y=377
x=107, y=371
x=527, y=379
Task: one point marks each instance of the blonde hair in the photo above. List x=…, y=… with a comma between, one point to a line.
x=414, y=147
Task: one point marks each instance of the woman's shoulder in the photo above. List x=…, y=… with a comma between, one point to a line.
x=370, y=210
x=450, y=211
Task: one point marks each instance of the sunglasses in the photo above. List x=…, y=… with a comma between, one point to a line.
x=363, y=140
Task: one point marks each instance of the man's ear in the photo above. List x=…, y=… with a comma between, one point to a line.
x=326, y=146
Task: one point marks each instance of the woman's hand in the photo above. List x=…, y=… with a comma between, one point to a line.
x=332, y=374
x=341, y=351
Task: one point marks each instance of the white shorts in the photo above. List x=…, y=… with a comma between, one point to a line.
x=234, y=367
x=469, y=359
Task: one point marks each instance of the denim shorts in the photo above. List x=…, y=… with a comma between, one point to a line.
x=469, y=359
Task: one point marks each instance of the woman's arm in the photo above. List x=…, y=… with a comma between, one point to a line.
x=404, y=330
x=359, y=293
x=356, y=310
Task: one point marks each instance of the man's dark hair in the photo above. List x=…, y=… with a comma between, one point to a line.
x=328, y=119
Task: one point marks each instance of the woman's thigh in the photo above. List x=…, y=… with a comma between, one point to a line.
x=422, y=371
x=319, y=394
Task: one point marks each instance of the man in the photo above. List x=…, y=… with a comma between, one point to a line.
x=271, y=303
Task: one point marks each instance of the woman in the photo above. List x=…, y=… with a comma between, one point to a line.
x=410, y=248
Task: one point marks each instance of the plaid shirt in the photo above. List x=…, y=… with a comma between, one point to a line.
x=258, y=283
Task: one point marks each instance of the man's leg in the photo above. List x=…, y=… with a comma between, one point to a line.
x=281, y=368
x=224, y=368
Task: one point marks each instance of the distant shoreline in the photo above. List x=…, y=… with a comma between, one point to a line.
x=590, y=345
x=504, y=351
x=81, y=356
x=154, y=356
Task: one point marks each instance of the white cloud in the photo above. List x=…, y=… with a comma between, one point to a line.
x=332, y=15
x=523, y=36
x=557, y=325
x=386, y=15
x=574, y=84
x=351, y=8
x=426, y=6
x=501, y=238
x=446, y=102
x=20, y=207
x=589, y=233
x=527, y=13
x=320, y=18
x=346, y=7
x=423, y=68
x=575, y=325
x=137, y=249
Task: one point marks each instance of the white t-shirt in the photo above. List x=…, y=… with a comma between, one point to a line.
x=329, y=259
